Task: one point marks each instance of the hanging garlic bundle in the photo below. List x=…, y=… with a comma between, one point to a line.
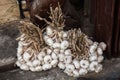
x=70, y=50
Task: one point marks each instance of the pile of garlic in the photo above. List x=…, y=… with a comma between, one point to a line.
x=39, y=50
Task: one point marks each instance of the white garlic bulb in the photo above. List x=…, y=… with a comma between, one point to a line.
x=76, y=64
x=54, y=63
x=68, y=52
x=93, y=48
x=54, y=56
x=57, y=50
x=49, y=51
x=45, y=37
x=64, y=44
x=99, y=51
x=41, y=55
x=32, y=69
x=98, y=68
x=36, y=63
x=68, y=59
x=93, y=65
x=29, y=63
x=61, y=57
x=47, y=59
x=19, y=50
x=83, y=71
x=76, y=73
x=49, y=41
x=56, y=45
x=18, y=63
x=38, y=68
x=61, y=65
x=93, y=57
x=64, y=35
x=102, y=45
x=46, y=66
x=70, y=67
x=24, y=67
x=49, y=30
x=84, y=64
x=26, y=56
x=61, y=51
x=100, y=58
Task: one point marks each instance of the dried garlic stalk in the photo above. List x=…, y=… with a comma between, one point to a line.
x=79, y=43
x=31, y=34
x=56, y=16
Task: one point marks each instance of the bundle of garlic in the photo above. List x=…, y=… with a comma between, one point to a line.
x=70, y=50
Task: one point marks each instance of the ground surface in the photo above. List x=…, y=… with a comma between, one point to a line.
x=8, y=71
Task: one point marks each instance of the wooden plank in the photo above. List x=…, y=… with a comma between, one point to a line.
x=103, y=20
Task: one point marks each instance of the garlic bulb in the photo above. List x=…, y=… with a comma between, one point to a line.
x=36, y=63
x=76, y=73
x=64, y=35
x=47, y=59
x=83, y=71
x=41, y=55
x=64, y=44
x=19, y=50
x=56, y=45
x=61, y=65
x=93, y=65
x=93, y=58
x=26, y=56
x=68, y=59
x=99, y=51
x=54, y=56
x=29, y=63
x=98, y=68
x=102, y=45
x=76, y=64
x=84, y=64
x=18, y=63
x=54, y=63
x=49, y=51
x=46, y=66
x=93, y=48
x=70, y=67
x=57, y=50
x=68, y=52
x=100, y=58
x=49, y=41
x=49, y=30
x=61, y=57
x=24, y=67
x=38, y=68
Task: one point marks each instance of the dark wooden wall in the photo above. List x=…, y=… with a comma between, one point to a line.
x=106, y=19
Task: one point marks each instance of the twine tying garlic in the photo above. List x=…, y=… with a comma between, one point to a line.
x=39, y=50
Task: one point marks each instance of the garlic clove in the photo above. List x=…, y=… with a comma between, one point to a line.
x=99, y=51
x=82, y=71
x=54, y=56
x=76, y=64
x=100, y=59
x=46, y=66
x=64, y=44
x=68, y=52
x=54, y=63
x=84, y=64
x=24, y=67
x=61, y=65
x=47, y=59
